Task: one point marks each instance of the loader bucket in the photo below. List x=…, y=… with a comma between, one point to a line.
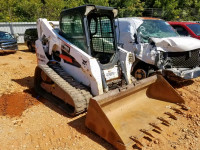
x=123, y=116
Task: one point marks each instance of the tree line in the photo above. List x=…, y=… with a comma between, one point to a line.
x=31, y=10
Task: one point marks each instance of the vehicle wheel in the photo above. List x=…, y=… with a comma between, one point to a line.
x=141, y=71
x=30, y=48
x=140, y=74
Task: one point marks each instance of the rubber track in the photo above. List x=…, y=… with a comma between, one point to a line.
x=78, y=92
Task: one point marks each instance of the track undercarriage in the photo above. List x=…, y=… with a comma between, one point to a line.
x=61, y=88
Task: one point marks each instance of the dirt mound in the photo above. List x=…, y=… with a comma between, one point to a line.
x=14, y=104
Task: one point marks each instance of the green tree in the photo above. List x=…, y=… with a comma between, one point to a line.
x=98, y=2
x=190, y=9
x=170, y=9
x=52, y=9
x=7, y=10
x=28, y=10
x=74, y=3
x=128, y=8
x=176, y=9
x=31, y=10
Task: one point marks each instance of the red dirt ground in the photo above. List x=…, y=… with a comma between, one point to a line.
x=15, y=104
x=28, y=121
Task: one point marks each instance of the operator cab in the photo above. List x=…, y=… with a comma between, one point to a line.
x=91, y=28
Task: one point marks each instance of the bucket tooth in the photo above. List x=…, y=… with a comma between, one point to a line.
x=184, y=107
x=171, y=115
x=146, y=132
x=177, y=110
x=155, y=126
x=135, y=139
x=163, y=120
x=157, y=131
x=148, y=138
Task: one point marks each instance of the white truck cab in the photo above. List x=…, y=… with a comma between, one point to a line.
x=158, y=48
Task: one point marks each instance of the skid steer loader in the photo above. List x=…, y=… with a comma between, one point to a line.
x=80, y=67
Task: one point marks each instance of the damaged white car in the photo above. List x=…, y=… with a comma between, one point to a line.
x=158, y=48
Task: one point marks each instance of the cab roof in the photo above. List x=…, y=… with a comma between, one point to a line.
x=177, y=22
x=141, y=18
x=148, y=18
x=86, y=9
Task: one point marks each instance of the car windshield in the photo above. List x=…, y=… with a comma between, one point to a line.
x=5, y=36
x=156, y=29
x=195, y=28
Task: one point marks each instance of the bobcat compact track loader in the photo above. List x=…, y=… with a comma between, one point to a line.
x=80, y=67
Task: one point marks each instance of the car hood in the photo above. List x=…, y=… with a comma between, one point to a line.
x=8, y=41
x=176, y=44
